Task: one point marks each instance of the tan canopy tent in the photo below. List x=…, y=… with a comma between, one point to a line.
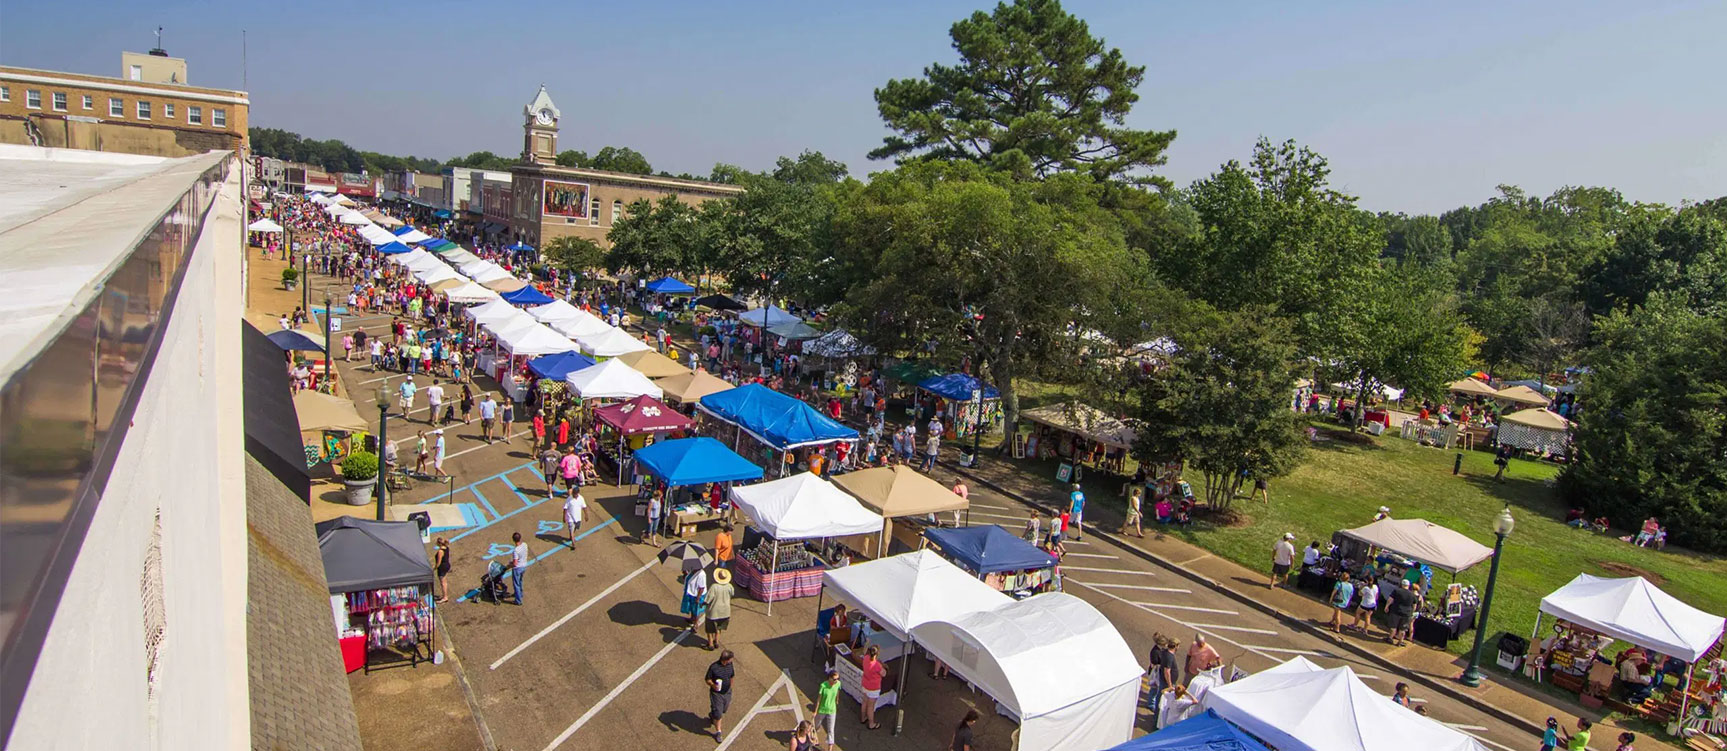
x=1084, y=421
x=653, y=364
x=899, y=491
x=450, y=284
x=691, y=387
x=505, y=284
x=1537, y=429
x=1523, y=395
x=320, y=411
x=1471, y=387
x=1436, y=546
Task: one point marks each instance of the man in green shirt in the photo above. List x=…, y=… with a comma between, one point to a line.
x=719, y=602
x=1578, y=741
x=827, y=706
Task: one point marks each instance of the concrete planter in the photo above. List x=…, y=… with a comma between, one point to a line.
x=360, y=491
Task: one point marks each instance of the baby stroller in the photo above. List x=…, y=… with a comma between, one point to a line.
x=492, y=587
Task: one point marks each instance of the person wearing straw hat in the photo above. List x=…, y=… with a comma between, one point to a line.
x=719, y=602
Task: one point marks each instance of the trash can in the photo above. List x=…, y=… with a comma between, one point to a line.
x=1512, y=648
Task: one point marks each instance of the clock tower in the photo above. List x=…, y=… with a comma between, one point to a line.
x=540, y=130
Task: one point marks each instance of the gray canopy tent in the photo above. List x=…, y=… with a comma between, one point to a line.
x=362, y=555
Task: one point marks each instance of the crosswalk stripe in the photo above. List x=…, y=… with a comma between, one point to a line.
x=1194, y=608
x=1242, y=629
x=1137, y=586
x=1304, y=652
x=1108, y=570
x=1090, y=555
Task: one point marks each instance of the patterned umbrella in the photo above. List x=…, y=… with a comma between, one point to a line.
x=690, y=556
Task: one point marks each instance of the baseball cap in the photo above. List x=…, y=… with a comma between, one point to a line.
x=1288, y=535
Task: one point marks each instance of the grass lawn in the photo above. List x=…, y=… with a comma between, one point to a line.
x=1341, y=485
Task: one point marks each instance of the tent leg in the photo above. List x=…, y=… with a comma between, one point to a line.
x=1535, y=635
x=1685, y=695
x=767, y=586
x=899, y=693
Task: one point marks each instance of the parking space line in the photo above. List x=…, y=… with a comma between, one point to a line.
x=1142, y=606
x=619, y=689
x=472, y=593
x=1141, y=587
x=1242, y=629
x=785, y=679
x=476, y=483
x=999, y=516
x=1107, y=570
x=1186, y=607
x=1493, y=743
x=1089, y=555
x=1465, y=727
x=1285, y=650
x=483, y=502
x=574, y=613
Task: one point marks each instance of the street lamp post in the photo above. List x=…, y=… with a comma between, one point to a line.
x=1502, y=526
x=305, y=283
x=977, y=421
x=383, y=444
x=329, y=351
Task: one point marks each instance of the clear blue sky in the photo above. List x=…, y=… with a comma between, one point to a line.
x=1419, y=106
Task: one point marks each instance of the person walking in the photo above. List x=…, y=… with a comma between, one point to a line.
x=719, y=680
x=873, y=671
x=441, y=562
x=435, y=398
x=405, y=396
x=549, y=459
x=1031, y=527
x=827, y=707
x=518, y=564
x=1341, y=593
x=1400, y=695
x=1076, y=511
x=719, y=606
x=803, y=738
x=421, y=453
x=1134, y=497
x=347, y=348
x=1282, y=557
x=438, y=452
x=695, y=597
x=1364, y=609
x=571, y=468
x=656, y=517
x=931, y=447
x=488, y=415
x=575, y=512
x=507, y=416
x=467, y=404
x=962, y=735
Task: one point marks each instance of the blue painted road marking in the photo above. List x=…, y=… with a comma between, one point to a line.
x=472, y=593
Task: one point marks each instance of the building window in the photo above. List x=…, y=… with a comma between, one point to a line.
x=59, y=101
x=195, y=115
x=116, y=108
x=617, y=211
x=143, y=110
x=89, y=102
x=5, y=93
x=168, y=110
x=594, y=213
x=33, y=99
x=219, y=118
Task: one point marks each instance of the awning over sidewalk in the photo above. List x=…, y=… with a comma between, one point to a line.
x=272, y=426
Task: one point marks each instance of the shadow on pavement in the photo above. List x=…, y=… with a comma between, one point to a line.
x=643, y=613
x=684, y=720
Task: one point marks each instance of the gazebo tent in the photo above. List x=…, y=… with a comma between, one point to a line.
x=695, y=461
x=720, y=302
x=394, y=248
x=767, y=318
x=666, y=285
x=611, y=380
x=363, y=554
x=1297, y=706
x=610, y=342
x=319, y=411
x=437, y=243
x=558, y=366
x=956, y=387
x=505, y=283
x=355, y=218
x=1085, y=422
x=1523, y=395
x=1091, y=702
x=775, y=419
x=988, y=549
x=1471, y=387
x=527, y=296
x=1436, y=546
x=692, y=386
x=264, y=225
x=804, y=506
x=377, y=235
x=1633, y=610
x=439, y=273
x=408, y=234
x=643, y=414
x=494, y=312
x=652, y=364
x=1537, y=429
x=1201, y=732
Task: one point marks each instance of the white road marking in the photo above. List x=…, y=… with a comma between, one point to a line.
x=448, y=457
x=1214, y=636
x=1107, y=570
x=375, y=380
x=780, y=708
x=1465, y=727
x=1141, y=587
x=1186, y=607
x=1493, y=743
x=1089, y=555
x=999, y=516
x=1305, y=652
x=619, y=689
x=1242, y=629
x=574, y=613
x=761, y=706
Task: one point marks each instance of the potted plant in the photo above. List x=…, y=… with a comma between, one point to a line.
x=290, y=278
x=360, y=473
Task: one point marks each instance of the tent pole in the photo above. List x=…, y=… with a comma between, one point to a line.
x=1535, y=635
x=767, y=579
x=899, y=693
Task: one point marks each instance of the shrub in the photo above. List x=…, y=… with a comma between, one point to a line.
x=360, y=465
x=289, y=276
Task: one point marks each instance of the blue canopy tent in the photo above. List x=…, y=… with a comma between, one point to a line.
x=391, y=249
x=987, y=549
x=519, y=246
x=1201, y=732
x=442, y=213
x=559, y=365
x=666, y=285
x=695, y=461
x=527, y=296
x=290, y=340
x=779, y=421
x=956, y=387
x=436, y=243
x=402, y=230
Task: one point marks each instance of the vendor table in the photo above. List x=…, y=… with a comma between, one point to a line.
x=684, y=522
x=846, y=663
x=785, y=585
x=1437, y=633
x=516, y=390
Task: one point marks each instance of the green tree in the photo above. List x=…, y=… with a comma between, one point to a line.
x=482, y=160
x=1652, y=431
x=771, y=238
x=1658, y=250
x=572, y=158
x=1399, y=329
x=1034, y=93
x=655, y=238
x=1222, y=402
x=729, y=174
x=621, y=159
x=1418, y=240
x=574, y=254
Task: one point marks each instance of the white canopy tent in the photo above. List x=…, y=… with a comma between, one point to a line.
x=264, y=225
x=344, y=200
x=555, y=310
x=410, y=256
x=317, y=198
x=535, y=340
x=495, y=313
x=511, y=327
x=335, y=209
x=471, y=293
x=804, y=506
x=413, y=236
x=356, y=218
x=611, y=380
x=486, y=272
x=1297, y=706
x=580, y=325
x=377, y=235
x=905, y=591
x=611, y=342
x=767, y=317
x=1633, y=610
x=435, y=274
x=1089, y=703
x=1442, y=548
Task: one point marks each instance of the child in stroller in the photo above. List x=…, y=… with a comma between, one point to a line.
x=492, y=586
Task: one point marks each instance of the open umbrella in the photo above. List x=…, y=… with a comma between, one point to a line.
x=690, y=556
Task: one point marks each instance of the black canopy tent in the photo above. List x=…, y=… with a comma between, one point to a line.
x=373, y=564
x=720, y=302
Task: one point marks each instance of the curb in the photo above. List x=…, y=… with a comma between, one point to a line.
x=1282, y=617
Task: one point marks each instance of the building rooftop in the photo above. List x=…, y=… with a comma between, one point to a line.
x=68, y=218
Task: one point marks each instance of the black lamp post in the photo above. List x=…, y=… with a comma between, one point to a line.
x=383, y=444
x=977, y=422
x=329, y=351
x=305, y=282
x=1502, y=526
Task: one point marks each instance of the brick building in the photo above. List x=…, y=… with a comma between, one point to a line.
x=144, y=112
x=548, y=201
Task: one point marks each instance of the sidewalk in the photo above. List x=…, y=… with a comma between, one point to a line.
x=1435, y=670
